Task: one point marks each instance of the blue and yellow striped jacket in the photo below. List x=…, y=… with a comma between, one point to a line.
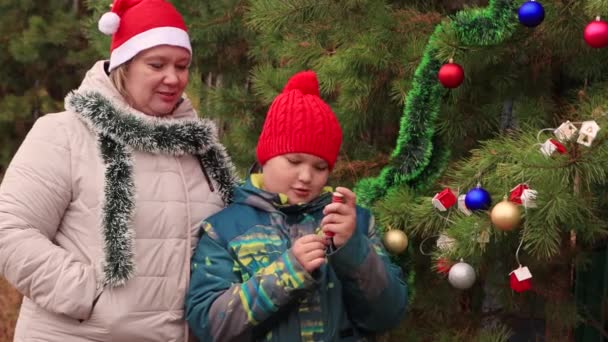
x=247, y=285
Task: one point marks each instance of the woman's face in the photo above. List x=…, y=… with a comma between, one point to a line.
x=156, y=78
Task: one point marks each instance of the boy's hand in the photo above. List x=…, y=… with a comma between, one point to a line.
x=309, y=250
x=341, y=218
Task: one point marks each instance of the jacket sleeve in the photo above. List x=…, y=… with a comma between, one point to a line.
x=221, y=306
x=34, y=194
x=375, y=294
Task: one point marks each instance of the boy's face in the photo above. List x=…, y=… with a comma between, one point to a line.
x=300, y=176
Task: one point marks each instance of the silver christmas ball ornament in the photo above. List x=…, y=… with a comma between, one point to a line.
x=461, y=276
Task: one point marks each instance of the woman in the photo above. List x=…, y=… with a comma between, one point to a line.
x=100, y=207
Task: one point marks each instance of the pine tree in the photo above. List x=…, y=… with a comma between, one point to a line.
x=251, y=48
x=45, y=55
x=222, y=68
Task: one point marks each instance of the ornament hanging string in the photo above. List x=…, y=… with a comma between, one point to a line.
x=521, y=242
x=540, y=132
x=447, y=218
x=425, y=240
x=524, y=230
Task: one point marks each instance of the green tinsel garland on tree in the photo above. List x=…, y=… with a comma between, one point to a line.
x=419, y=158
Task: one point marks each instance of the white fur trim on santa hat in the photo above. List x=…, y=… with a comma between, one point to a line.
x=148, y=39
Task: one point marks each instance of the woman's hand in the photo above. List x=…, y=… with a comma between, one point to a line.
x=341, y=218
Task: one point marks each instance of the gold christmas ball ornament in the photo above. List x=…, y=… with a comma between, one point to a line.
x=395, y=241
x=505, y=215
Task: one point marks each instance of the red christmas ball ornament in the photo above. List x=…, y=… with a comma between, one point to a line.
x=596, y=33
x=443, y=266
x=451, y=75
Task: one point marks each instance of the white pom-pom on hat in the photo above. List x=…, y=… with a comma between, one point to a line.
x=109, y=23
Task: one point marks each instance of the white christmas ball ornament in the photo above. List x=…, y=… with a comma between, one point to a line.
x=461, y=276
x=109, y=23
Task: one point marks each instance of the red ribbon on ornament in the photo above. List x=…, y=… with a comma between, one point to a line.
x=516, y=192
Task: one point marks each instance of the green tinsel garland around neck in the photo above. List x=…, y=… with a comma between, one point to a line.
x=175, y=137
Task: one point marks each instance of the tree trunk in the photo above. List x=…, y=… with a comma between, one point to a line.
x=562, y=292
x=507, y=120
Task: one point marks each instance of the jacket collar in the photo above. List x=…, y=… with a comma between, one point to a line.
x=252, y=193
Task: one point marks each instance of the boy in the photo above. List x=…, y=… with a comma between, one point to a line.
x=263, y=270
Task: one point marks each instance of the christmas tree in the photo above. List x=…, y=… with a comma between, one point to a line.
x=539, y=76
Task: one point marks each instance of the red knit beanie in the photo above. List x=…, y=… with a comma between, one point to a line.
x=298, y=121
x=137, y=25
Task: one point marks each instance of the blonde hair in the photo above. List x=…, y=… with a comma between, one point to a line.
x=118, y=77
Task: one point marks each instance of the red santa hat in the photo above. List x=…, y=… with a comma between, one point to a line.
x=137, y=25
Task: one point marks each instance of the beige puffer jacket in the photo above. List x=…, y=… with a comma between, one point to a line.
x=102, y=204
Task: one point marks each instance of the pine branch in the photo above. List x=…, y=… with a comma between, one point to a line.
x=272, y=16
x=234, y=12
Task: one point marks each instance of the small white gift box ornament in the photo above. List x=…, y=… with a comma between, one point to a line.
x=522, y=273
x=522, y=194
x=588, y=132
x=462, y=206
x=445, y=243
x=565, y=131
x=516, y=192
x=444, y=199
x=520, y=279
x=528, y=198
x=552, y=145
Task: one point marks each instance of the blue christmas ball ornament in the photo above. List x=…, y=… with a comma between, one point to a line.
x=478, y=199
x=531, y=13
